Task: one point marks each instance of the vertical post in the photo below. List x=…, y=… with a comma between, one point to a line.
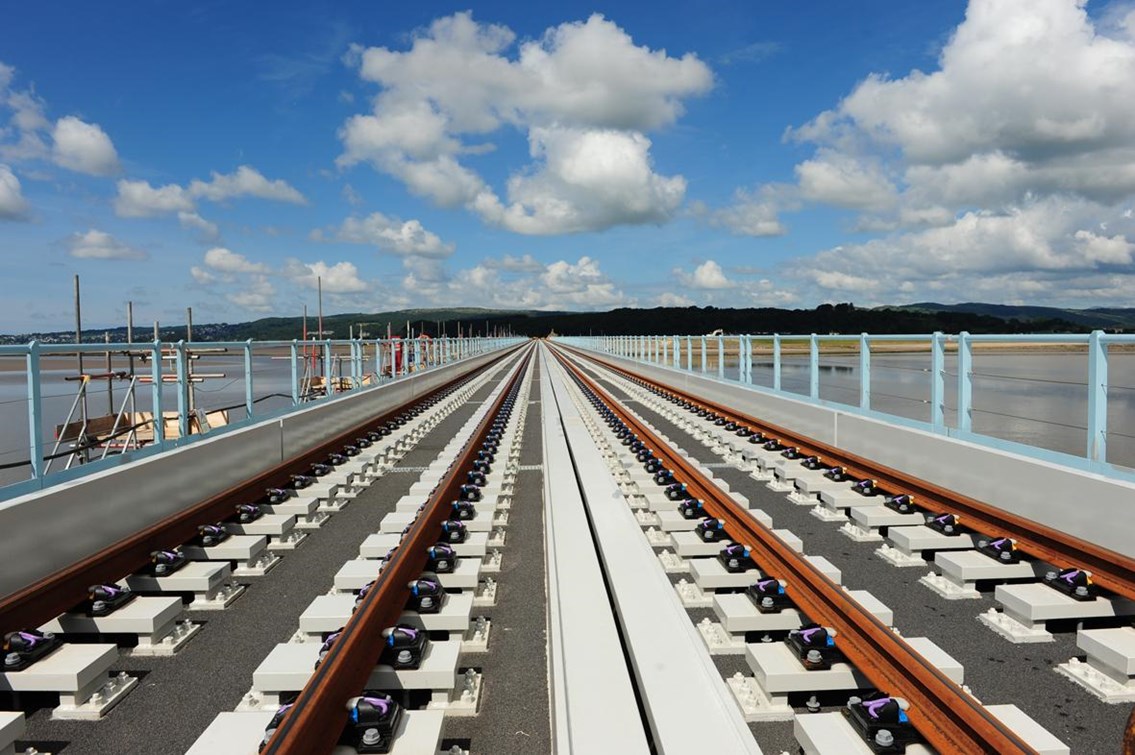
x=814, y=367
x=182, y=391
x=721, y=357
x=109, y=381
x=747, y=359
x=689, y=353
x=965, y=382
x=35, y=411
x=248, y=403
x=79, y=340
x=1097, y=397
x=328, y=383
x=937, y=381
x=295, y=373
x=677, y=352
x=189, y=363
x=776, y=361
x=156, y=388
x=703, y=360
x=864, y=371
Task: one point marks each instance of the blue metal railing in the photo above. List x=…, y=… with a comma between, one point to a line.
x=730, y=357
x=363, y=364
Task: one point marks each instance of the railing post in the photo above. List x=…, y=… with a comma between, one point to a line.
x=776, y=361
x=156, y=393
x=677, y=353
x=35, y=411
x=703, y=362
x=328, y=383
x=248, y=405
x=965, y=383
x=744, y=344
x=1097, y=397
x=864, y=371
x=721, y=357
x=295, y=373
x=689, y=353
x=182, y=391
x=814, y=367
x=937, y=381
x=665, y=350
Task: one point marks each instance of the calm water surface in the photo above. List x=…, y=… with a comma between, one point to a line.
x=1037, y=399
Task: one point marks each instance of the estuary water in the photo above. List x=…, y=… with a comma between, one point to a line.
x=1039, y=399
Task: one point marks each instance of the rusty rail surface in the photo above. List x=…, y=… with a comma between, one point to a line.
x=950, y=719
x=1110, y=570
x=316, y=719
x=61, y=591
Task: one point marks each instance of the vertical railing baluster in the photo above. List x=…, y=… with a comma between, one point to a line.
x=937, y=381
x=965, y=383
x=864, y=371
x=35, y=412
x=1097, y=397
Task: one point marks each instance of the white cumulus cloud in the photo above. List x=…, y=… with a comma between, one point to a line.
x=13, y=206
x=138, y=199
x=227, y=261
x=257, y=295
x=99, y=245
x=753, y=213
x=84, y=148
x=340, y=278
x=389, y=234
x=70, y=142
x=245, y=181
x=584, y=93
x=706, y=276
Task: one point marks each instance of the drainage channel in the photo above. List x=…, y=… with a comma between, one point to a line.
x=1052, y=712
x=232, y=591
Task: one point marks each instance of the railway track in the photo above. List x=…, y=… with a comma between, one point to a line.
x=949, y=718
x=1068, y=711
x=368, y=450
x=1110, y=570
x=630, y=665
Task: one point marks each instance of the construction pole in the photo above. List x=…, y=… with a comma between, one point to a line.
x=109, y=380
x=79, y=340
x=130, y=357
x=319, y=291
x=189, y=358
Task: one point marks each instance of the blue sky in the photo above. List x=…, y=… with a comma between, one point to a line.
x=564, y=156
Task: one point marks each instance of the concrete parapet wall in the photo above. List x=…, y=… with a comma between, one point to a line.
x=44, y=532
x=1090, y=506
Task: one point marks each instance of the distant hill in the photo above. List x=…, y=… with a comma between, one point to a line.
x=1103, y=318
x=825, y=319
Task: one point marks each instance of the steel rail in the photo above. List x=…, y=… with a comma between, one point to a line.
x=62, y=590
x=315, y=722
x=1109, y=569
x=950, y=719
